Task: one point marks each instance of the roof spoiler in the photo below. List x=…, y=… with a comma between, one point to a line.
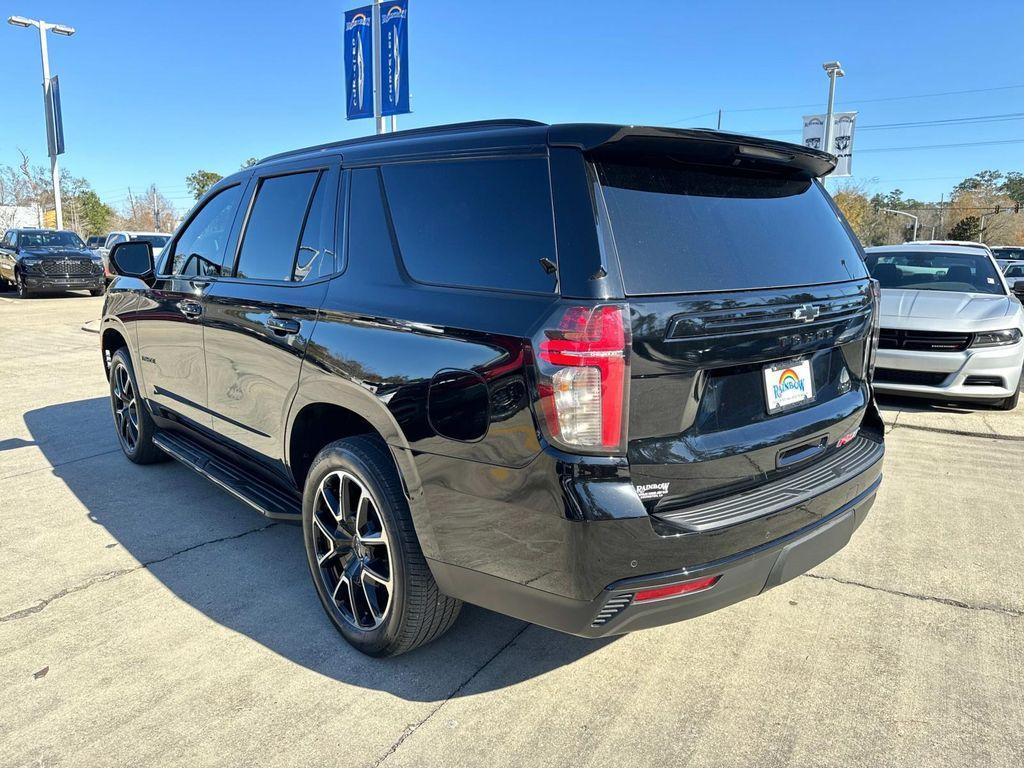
x=700, y=145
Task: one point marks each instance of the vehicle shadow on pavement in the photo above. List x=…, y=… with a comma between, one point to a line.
x=228, y=562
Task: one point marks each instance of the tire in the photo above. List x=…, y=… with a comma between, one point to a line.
x=1009, y=403
x=24, y=292
x=393, y=606
x=96, y=291
x=132, y=422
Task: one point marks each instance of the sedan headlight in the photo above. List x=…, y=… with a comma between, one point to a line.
x=996, y=338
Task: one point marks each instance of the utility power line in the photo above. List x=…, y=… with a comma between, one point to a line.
x=847, y=102
x=975, y=120
x=943, y=146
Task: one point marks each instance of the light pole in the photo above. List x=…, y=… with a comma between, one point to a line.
x=60, y=29
x=908, y=215
x=834, y=70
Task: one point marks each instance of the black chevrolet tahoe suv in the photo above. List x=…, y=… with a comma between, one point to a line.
x=596, y=377
x=38, y=260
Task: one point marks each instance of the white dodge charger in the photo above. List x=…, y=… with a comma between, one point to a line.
x=951, y=327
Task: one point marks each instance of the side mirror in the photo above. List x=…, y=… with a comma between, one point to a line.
x=1017, y=285
x=133, y=258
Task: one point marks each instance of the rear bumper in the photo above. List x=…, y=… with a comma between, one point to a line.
x=581, y=576
x=952, y=371
x=615, y=610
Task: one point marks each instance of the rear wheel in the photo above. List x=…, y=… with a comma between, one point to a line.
x=363, y=554
x=132, y=422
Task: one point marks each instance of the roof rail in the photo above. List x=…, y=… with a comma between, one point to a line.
x=426, y=130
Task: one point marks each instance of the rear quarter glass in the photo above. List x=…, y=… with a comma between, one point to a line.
x=682, y=229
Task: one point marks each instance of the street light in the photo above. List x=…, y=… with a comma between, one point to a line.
x=904, y=213
x=60, y=29
x=833, y=69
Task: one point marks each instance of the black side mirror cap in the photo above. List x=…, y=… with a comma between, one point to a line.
x=133, y=258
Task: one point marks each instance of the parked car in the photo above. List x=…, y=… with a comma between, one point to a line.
x=597, y=377
x=1007, y=254
x=1012, y=269
x=95, y=242
x=158, y=239
x=950, y=326
x=37, y=260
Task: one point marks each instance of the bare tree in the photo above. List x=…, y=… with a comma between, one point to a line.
x=149, y=212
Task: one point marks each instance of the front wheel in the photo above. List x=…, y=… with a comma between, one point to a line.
x=24, y=292
x=1009, y=403
x=363, y=554
x=132, y=422
x=96, y=291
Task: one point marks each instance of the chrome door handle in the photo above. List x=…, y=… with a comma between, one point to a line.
x=190, y=309
x=283, y=325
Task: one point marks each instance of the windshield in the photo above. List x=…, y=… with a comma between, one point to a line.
x=1008, y=253
x=49, y=240
x=681, y=229
x=1015, y=270
x=924, y=271
x=158, y=241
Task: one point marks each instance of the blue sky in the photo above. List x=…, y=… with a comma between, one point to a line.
x=154, y=90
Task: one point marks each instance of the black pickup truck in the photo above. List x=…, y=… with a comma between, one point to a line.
x=49, y=260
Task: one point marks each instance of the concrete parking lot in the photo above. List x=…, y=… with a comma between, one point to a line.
x=148, y=618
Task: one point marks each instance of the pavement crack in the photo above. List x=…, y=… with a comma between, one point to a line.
x=1016, y=612
x=411, y=729
x=59, y=464
x=963, y=432
x=103, y=577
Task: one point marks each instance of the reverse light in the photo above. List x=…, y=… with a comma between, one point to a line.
x=996, y=338
x=674, y=590
x=584, y=375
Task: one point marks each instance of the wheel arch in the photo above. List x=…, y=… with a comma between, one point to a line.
x=112, y=338
x=329, y=408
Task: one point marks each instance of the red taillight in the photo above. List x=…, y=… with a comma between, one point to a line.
x=584, y=377
x=685, y=588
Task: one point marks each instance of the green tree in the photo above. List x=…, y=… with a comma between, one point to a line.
x=983, y=181
x=200, y=181
x=94, y=216
x=250, y=163
x=1013, y=186
x=968, y=228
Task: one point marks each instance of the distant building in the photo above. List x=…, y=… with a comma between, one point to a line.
x=20, y=216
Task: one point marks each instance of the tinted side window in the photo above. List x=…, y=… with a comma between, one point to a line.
x=200, y=247
x=272, y=233
x=474, y=223
x=368, y=235
x=316, y=257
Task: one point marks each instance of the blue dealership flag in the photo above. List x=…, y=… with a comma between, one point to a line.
x=359, y=62
x=394, y=57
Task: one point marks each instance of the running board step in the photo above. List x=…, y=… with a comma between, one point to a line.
x=244, y=485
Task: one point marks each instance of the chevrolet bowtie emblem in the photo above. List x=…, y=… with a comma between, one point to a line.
x=806, y=313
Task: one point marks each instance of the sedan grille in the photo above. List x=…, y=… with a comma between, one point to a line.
x=73, y=267
x=924, y=341
x=924, y=378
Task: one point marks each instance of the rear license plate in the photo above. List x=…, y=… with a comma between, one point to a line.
x=787, y=385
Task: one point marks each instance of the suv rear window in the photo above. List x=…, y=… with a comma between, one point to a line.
x=681, y=229
x=474, y=223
